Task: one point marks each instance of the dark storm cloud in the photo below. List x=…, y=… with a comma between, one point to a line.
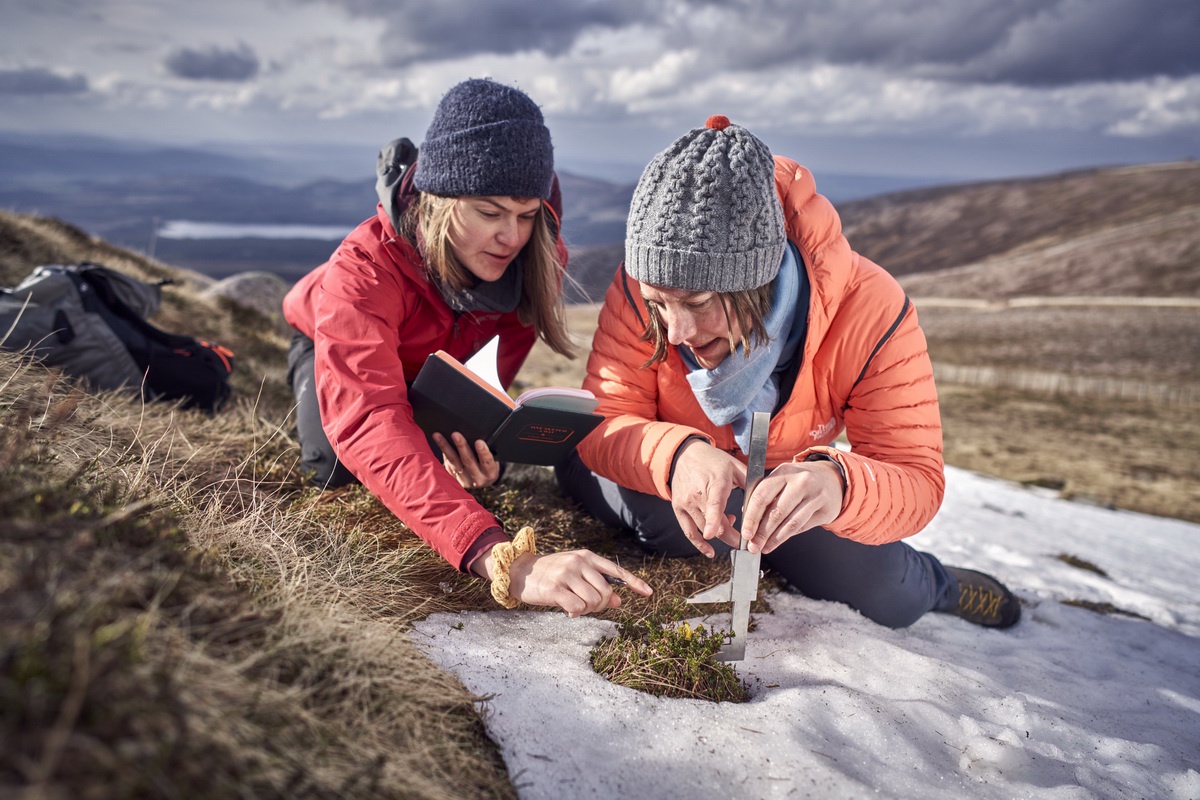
x=461, y=28
x=1102, y=40
x=215, y=64
x=1024, y=42
x=40, y=81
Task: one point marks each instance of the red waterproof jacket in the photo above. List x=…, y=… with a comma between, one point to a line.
x=374, y=318
x=865, y=370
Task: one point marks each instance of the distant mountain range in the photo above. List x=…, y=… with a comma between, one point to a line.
x=1100, y=231
x=1122, y=231
x=1131, y=231
x=126, y=192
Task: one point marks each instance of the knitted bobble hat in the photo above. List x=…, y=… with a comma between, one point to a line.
x=705, y=216
x=486, y=139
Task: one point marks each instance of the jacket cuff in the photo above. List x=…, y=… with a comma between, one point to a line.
x=480, y=547
x=678, y=451
x=841, y=469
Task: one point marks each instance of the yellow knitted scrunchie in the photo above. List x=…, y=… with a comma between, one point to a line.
x=503, y=555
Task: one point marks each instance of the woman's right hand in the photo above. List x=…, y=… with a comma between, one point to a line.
x=572, y=580
x=704, y=478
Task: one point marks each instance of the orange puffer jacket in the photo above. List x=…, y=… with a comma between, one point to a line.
x=865, y=370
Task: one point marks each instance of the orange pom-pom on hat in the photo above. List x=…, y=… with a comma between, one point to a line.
x=718, y=122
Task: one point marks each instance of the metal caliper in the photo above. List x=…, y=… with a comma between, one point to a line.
x=742, y=586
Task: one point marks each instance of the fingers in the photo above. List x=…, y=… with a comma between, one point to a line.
x=700, y=488
x=761, y=499
x=592, y=587
x=575, y=581
x=730, y=535
x=472, y=465
x=629, y=580
x=580, y=596
x=774, y=517
x=691, y=530
x=788, y=502
x=715, y=519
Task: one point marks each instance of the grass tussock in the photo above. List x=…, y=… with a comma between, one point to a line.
x=666, y=656
x=1105, y=608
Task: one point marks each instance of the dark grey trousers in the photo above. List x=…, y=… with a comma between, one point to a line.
x=317, y=458
x=891, y=584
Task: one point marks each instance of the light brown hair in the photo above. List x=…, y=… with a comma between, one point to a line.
x=541, y=304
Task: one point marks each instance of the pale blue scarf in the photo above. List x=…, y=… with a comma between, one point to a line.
x=732, y=391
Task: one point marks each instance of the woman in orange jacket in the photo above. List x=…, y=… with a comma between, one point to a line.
x=739, y=294
x=463, y=248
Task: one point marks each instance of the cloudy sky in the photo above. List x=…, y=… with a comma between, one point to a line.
x=954, y=88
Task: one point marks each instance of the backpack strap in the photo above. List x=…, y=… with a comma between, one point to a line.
x=393, y=164
x=135, y=298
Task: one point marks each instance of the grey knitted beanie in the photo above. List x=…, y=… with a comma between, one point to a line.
x=705, y=216
x=486, y=139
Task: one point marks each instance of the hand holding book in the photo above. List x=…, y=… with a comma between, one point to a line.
x=542, y=426
x=471, y=463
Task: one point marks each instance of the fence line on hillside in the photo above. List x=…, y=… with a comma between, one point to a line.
x=1063, y=301
x=1060, y=383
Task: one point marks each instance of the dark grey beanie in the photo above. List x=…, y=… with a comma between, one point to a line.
x=486, y=139
x=705, y=216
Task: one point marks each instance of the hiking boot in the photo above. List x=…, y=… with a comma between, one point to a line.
x=983, y=600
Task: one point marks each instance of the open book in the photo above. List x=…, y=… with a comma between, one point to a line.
x=542, y=426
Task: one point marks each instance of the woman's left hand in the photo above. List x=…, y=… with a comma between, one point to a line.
x=792, y=499
x=471, y=467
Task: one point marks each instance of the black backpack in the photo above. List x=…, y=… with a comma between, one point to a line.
x=91, y=321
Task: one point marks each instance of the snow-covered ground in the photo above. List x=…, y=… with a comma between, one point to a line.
x=1069, y=704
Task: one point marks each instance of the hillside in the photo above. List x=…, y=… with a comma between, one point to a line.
x=128, y=192
x=179, y=615
x=1120, y=231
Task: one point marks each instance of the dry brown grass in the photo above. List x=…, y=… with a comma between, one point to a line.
x=169, y=628
x=1106, y=231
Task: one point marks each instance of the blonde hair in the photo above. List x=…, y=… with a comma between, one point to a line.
x=749, y=307
x=541, y=303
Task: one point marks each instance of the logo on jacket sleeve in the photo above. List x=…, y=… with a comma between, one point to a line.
x=823, y=431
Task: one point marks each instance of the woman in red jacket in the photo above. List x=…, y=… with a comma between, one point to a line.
x=463, y=248
x=738, y=295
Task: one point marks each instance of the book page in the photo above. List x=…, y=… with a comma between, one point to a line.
x=478, y=381
x=555, y=391
x=485, y=363
x=578, y=400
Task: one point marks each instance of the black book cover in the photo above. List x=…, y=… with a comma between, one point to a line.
x=447, y=397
